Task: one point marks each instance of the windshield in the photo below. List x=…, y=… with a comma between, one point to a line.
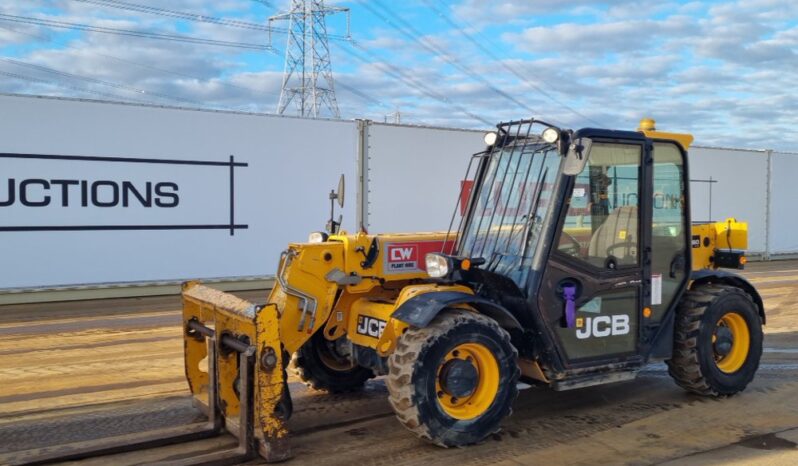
x=509, y=207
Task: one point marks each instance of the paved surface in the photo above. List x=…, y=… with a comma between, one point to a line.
x=77, y=371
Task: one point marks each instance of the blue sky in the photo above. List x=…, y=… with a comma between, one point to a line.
x=724, y=70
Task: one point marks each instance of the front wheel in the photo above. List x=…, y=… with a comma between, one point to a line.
x=324, y=365
x=718, y=341
x=453, y=381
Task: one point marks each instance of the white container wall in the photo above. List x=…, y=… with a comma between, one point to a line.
x=739, y=189
x=783, y=211
x=73, y=216
x=95, y=192
x=414, y=175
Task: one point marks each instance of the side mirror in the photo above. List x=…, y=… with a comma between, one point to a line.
x=341, y=191
x=336, y=195
x=577, y=155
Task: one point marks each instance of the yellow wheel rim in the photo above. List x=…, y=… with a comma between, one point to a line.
x=487, y=385
x=333, y=363
x=325, y=349
x=741, y=342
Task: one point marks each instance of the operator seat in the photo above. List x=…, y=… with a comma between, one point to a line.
x=616, y=237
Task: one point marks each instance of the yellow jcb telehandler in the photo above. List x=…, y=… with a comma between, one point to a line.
x=570, y=261
x=573, y=263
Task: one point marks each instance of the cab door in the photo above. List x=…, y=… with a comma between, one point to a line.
x=597, y=280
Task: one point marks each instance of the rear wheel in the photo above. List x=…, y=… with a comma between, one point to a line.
x=324, y=365
x=718, y=341
x=453, y=381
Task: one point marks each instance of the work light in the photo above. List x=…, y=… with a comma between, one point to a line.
x=550, y=135
x=317, y=237
x=437, y=265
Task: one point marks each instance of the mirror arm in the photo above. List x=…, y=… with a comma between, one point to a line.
x=332, y=225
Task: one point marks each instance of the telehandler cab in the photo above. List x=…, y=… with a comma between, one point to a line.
x=570, y=261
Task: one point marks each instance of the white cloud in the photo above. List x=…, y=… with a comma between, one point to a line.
x=599, y=38
x=493, y=11
x=723, y=71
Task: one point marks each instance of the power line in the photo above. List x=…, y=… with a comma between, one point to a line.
x=125, y=87
x=74, y=88
x=396, y=72
x=371, y=99
x=266, y=3
x=175, y=14
x=351, y=89
x=189, y=16
x=363, y=95
x=401, y=75
x=134, y=63
x=126, y=32
x=416, y=36
x=462, y=31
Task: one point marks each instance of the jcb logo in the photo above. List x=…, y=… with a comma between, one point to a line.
x=369, y=326
x=399, y=254
x=602, y=326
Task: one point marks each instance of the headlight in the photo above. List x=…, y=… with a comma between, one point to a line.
x=490, y=138
x=317, y=237
x=550, y=135
x=437, y=265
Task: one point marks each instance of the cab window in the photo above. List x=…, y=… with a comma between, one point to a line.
x=669, y=221
x=602, y=223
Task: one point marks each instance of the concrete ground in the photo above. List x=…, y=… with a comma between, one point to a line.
x=83, y=370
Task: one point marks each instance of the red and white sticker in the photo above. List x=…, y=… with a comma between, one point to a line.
x=409, y=257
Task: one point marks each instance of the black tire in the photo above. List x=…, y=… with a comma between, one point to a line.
x=321, y=367
x=414, y=370
x=694, y=365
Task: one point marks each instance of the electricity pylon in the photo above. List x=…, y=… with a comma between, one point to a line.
x=307, y=79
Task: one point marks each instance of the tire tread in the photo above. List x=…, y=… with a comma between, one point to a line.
x=408, y=349
x=684, y=366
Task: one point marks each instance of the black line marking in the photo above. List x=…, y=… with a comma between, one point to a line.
x=86, y=158
x=231, y=163
x=232, y=196
x=123, y=227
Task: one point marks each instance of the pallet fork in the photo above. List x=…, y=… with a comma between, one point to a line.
x=243, y=390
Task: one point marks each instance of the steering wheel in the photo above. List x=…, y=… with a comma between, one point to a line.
x=629, y=245
x=571, y=246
